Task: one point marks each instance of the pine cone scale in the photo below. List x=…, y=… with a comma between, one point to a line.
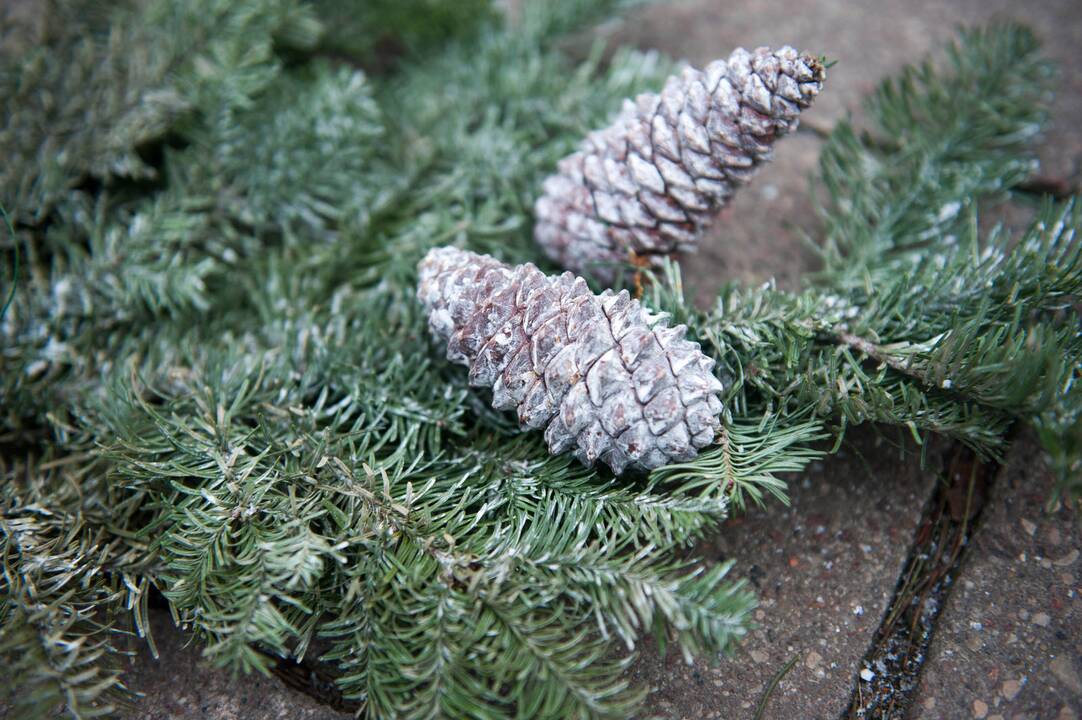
x=598, y=372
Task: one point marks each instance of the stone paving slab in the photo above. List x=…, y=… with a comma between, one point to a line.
x=1009, y=642
x=181, y=685
x=824, y=570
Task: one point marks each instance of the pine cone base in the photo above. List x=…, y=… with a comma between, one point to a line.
x=605, y=378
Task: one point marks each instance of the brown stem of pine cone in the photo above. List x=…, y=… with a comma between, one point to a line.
x=606, y=378
x=651, y=182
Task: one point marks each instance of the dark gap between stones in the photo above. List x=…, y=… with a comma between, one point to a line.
x=316, y=680
x=310, y=677
x=890, y=671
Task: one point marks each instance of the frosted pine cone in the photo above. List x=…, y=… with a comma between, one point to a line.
x=599, y=372
x=647, y=185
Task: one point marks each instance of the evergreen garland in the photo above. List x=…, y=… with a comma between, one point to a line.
x=217, y=381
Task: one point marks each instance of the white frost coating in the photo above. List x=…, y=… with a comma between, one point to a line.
x=948, y=211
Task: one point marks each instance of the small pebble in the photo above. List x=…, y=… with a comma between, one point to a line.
x=1064, y=671
x=1042, y=619
x=1067, y=559
x=980, y=709
x=867, y=675
x=976, y=626
x=1010, y=689
x=858, y=610
x=1029, y=526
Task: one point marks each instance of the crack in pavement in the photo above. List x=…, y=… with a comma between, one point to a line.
x=890, y=671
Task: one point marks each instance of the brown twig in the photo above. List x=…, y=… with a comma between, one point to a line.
x=876, y=353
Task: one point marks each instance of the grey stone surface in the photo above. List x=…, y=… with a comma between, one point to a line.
x=824, y=570
x=181, y=685
x=1009, y=642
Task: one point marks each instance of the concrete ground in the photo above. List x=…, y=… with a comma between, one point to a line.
x=824, y=570
x=181, y=685
x=1009, y=641
x=1009, y=644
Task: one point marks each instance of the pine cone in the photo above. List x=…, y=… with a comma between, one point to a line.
x=604, y=375
x=647, y=185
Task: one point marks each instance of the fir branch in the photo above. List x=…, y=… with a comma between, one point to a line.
x=67, y=589
x=83, y=105
x=545, y=21
x=942, y=138
x=380, y=34
x=749, y=457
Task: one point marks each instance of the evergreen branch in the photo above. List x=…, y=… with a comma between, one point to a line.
x=381, y=34
x=544, y=21
x=748, y=458
x=64, y=585
x=565, y=674
x=14, y=264
x=954, y=136
x=116, y=91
